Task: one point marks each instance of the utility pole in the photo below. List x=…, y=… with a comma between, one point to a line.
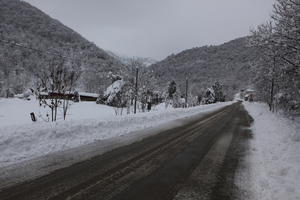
x=136, y=89
x=186, y=91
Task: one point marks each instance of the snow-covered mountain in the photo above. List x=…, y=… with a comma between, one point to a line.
x=231, y=63
x=126, y=59
x=24, y=24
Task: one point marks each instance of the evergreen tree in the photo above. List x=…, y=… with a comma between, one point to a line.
x=218, y=92
x=171, y=89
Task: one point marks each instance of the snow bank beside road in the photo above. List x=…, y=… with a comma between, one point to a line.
x=23, y=142
x=274, y=158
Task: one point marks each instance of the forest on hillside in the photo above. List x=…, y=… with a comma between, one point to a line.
x=30, y=40
x=231, y=64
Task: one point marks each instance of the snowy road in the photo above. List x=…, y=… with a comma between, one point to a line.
x=194, y=161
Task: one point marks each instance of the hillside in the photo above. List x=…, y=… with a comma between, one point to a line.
x=24, y=24
x=229, y=63
x=126, y=60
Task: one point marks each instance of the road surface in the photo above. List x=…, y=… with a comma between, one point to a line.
x=194, y=161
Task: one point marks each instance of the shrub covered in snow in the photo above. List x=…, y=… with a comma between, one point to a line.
x=25, y=95
x=115, y=95
x=214, y=94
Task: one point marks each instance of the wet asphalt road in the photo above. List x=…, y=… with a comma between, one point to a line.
x=195, y=161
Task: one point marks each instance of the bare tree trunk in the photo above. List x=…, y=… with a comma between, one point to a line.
x=128, y=109
x=186, y=91
x=55, y=111
x=66, y=104
x=272, y=86
x=136, y=89
x=272, y=95
x=65, y=107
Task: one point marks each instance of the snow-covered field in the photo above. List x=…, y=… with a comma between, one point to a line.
x=17, y=112
x=274, y=157
x=87, y=122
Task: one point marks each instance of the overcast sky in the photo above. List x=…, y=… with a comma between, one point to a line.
x=157, y=28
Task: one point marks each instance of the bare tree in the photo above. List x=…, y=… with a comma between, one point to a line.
x=71, y=74
x=279, y=42
x=56, y=84
x=263, y=38
x=141, y=83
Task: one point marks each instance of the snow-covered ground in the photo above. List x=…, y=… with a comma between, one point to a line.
x=87, y=122
x=17, y=112
x=274, y=157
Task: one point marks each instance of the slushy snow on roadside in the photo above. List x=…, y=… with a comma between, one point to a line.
x=274, y=157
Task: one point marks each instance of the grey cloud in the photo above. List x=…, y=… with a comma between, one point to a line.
x=157, y=28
